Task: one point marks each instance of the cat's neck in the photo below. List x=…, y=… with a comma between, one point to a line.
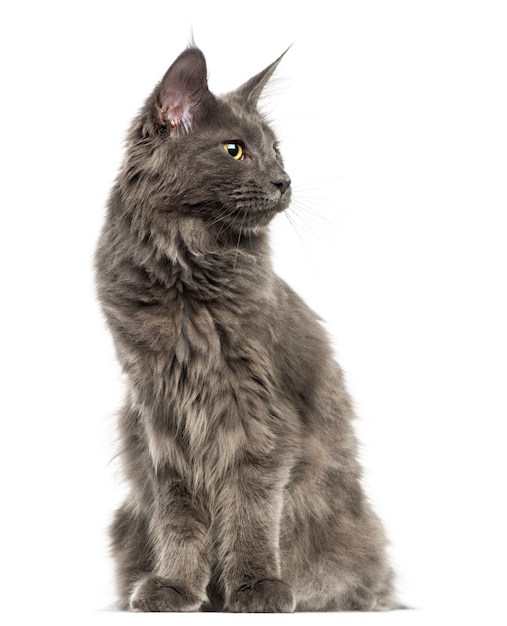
x=202, y=260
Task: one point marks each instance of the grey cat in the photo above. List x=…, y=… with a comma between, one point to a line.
x=236, y=433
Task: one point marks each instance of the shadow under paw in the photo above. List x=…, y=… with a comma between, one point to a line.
x=262, y=596
x=157, y=594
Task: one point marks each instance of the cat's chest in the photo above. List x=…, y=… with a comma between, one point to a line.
x=202, y=355
x=213, y=388
x=218, y=347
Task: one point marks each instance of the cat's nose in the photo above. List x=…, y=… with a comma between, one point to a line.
x=283, y=183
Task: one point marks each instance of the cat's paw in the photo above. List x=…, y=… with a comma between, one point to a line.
x=157, y=594
x=262, y=596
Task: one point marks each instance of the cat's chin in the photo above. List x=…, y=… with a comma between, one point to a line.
x=254, y=225
x=255, y=221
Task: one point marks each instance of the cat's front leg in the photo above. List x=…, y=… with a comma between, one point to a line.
x=249, y=506
x=179, y=538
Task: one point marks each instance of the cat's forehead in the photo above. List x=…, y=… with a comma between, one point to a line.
x=250, y=124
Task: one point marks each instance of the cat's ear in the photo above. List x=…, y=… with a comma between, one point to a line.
x=251, y=91
x=183, y=90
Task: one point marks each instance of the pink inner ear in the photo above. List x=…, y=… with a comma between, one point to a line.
x=177, y=114
x=176, y=111
x=183, y=90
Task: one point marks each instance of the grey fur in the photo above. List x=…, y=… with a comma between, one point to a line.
x=236, y=431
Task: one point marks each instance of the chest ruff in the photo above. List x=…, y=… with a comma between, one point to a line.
x=207, y=400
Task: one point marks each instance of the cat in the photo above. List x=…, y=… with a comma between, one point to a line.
x=236, y=435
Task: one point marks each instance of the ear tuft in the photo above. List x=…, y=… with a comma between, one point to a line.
x=183, y=89
x=251, y=91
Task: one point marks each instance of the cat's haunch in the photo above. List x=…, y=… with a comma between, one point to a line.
x=236, y=432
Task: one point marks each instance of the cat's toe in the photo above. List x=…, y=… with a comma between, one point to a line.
x=262, y=596
x=157, y=594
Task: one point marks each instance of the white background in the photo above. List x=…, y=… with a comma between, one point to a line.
x=392, y=118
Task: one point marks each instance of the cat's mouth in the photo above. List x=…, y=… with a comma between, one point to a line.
x=256, y=219
x=256, y=214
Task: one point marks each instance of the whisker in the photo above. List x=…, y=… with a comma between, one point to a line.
x=228, y=225
x=297, y=232
x=307, y=228
x=219, y=218
x=313, y=223
x=309, y=210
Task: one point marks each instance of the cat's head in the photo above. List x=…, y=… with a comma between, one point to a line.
x=213, y=158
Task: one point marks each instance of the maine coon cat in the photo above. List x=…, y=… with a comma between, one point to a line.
x=236, y=434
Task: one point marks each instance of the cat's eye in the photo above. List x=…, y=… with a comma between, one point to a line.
x=235, y=150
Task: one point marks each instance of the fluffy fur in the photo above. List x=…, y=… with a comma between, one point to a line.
x=236, y=432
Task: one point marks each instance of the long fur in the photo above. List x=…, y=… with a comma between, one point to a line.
x=236, y=433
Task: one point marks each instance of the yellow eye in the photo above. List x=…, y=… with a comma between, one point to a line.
x=235, y=150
